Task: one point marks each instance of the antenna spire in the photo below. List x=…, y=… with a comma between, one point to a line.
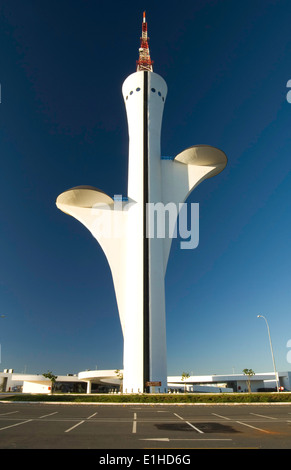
x=144, y=62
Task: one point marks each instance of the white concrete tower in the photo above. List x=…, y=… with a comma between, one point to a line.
x=138, y=262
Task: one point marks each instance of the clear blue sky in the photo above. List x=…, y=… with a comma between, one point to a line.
x=63, y=124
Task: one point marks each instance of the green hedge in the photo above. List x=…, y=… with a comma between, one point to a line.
x=157, y=398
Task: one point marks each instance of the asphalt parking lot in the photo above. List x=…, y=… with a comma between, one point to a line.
x=137, y=426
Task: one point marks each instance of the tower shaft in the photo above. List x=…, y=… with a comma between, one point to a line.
x=144, y=96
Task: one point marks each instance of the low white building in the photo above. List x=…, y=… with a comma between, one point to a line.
x=37, y=383
x=109, y=380
x=265, y=381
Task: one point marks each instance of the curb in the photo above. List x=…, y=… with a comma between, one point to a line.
x=144, y=404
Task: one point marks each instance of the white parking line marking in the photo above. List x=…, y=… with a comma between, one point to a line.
x=167, y=439
x=187, y=422
x=92, y=415
x=163, y=439
x=17, y=424
x=50, y=414
x=262, y=416
x=194, y=427
x=253, y=427
x=9, y=413
x=73, y=427
x=202, y=439
x=219, y=416
x=134, y=423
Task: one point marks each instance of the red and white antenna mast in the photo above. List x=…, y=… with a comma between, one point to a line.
x=144, y=62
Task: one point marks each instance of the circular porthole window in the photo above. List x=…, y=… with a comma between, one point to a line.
x=153, y=90
x=138, y=89
x=159, y=93
x=131, y=93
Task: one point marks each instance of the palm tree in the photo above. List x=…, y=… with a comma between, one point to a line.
x=185, y=376
x=249, y=373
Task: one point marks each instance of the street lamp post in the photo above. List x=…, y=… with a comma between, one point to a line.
x=276, y=373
